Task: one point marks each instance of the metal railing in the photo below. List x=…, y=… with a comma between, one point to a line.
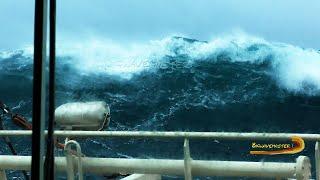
x=188, y=167
x=105, y=166
x=171, y=135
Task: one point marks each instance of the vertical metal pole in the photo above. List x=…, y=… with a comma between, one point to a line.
x=317, y=159
x=49, y=161
x=303, y=168
x=3, y=175
x=38, y=112
x=187, y=161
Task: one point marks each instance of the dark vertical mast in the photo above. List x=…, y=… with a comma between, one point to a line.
x=49, y=161
x=38, y=112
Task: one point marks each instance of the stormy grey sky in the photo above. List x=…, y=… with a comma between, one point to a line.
x=291, y=21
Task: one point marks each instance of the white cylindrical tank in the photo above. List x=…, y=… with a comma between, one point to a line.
x=83, y=115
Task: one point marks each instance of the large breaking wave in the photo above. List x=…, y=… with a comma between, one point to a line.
x=172, y=73
x=295, y=69
x=231, y=83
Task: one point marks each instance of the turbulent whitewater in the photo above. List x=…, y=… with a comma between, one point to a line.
x=231, y=83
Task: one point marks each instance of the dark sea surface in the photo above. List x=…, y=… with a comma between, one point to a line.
x=237, y=83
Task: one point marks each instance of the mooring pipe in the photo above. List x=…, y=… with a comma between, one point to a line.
x=104, y=166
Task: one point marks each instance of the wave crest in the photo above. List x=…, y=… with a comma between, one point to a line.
x=294, y=68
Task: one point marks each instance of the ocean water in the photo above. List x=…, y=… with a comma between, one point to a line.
x=232, y=83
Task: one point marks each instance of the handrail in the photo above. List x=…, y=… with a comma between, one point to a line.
x=104, y=166
x=187, y=167
x=171, y=135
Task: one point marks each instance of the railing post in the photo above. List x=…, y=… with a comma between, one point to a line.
x=317, y=160
x=303, y=168
x=3, y=175
x=187, y=160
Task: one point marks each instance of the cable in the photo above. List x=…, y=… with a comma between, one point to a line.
x=8, y=142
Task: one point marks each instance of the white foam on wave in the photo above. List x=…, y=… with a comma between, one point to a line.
x=26, y=51
x=97, y=55
x=104, y=56
x=295, y=68
x=298, y=69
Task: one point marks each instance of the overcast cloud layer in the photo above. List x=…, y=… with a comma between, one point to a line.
x=290, y=21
